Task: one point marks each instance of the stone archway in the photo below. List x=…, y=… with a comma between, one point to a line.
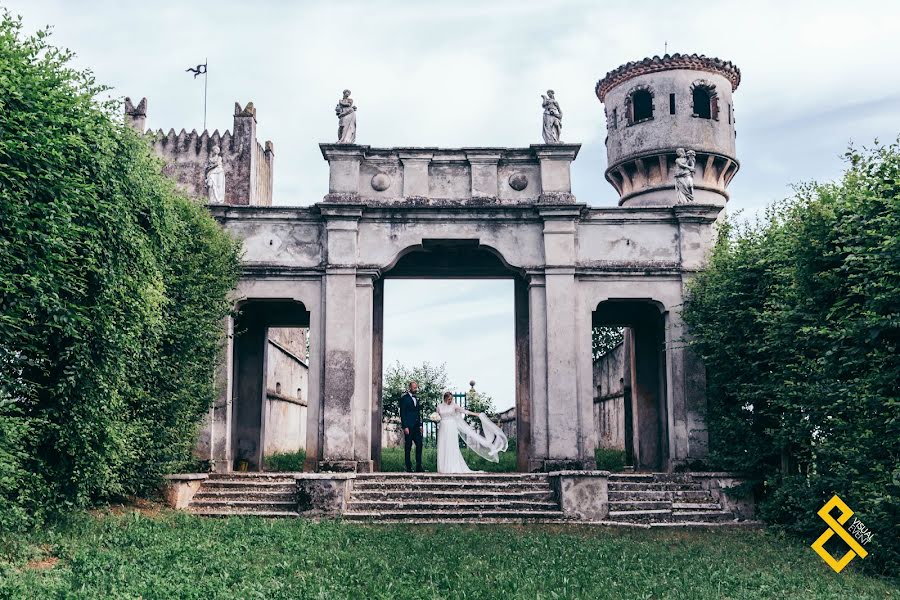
x=642, y=369
x=456, y=259
x=252, y=394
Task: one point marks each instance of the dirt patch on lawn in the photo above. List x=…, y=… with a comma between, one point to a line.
x=147, y=508
x=43, y=564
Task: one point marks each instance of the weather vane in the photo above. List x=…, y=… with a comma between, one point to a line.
x=197, y=71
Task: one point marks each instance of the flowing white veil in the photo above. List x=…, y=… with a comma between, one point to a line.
x=487, y=446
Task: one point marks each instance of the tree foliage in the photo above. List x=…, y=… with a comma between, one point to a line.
x=112, y=290
x=604, y=339
x=432, y=379
x=798, y=321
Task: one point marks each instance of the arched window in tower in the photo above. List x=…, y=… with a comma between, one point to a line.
x=705, y=100
x=639, y=105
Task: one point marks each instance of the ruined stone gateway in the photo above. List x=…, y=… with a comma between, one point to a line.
x=482, y=213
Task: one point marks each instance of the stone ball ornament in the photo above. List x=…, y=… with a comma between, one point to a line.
x=518, y=181
x=381, y=182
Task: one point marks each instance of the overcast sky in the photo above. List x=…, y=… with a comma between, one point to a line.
x=815, y=76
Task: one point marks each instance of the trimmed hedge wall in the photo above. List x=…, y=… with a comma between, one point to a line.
x=113, y=287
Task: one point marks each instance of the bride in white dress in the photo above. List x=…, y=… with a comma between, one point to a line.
x=452, y=425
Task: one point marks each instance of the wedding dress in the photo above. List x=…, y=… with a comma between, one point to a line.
x=452, y=426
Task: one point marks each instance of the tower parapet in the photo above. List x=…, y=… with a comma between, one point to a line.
x=657, y=105
x=248, y=164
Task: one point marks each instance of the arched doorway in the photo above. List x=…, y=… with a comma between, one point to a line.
x=456, y=259
x=269, y=388
x=641, y=369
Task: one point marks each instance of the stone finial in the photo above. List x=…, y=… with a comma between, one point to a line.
x=270, y=147
x=136, y=116
x=248, y=111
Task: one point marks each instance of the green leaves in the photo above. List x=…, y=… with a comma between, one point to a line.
x=798, y=317
x=112, y=291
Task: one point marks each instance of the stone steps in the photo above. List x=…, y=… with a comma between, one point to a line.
x=440, y=498
x=429, y=504
x=270, y=514
x=661, y=498
x=237, y=494
x=366, y=494
x=682, y=495
x=473, y=515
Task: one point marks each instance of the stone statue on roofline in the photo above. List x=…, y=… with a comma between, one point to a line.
x=215, y=177
x=346, y=114
x=684, y=175
x=552, y=118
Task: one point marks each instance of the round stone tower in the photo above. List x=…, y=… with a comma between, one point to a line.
x=659, y=105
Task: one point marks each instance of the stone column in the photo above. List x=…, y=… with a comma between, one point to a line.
x=362, y=397
x=483, y=166
x=348, y=340
x=566, y=425
x=415, y=173
x=686, y=374
x=537, y=356
x=220, y=413
x=523, y=376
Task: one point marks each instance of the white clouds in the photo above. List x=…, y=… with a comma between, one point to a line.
x=815, y=76
x=468, y=325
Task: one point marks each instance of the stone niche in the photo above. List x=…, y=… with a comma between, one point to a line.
x=539, y=174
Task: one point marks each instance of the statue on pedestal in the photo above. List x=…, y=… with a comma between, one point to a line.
x=346, y=114
x=684, y=175
x=215, y=177
x=552, y=118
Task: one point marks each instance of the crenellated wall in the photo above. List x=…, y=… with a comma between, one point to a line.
x=248, y=164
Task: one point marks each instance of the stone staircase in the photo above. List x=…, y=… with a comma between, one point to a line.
x=663, y=500
x=234, y=494
x=422, y=498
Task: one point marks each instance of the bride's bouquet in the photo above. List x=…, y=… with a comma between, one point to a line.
x=434, y=417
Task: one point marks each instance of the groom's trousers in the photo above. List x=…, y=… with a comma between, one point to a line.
x=415, y=436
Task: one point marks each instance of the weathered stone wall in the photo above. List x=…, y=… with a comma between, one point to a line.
x=248, y=165
x=571, y=257
x=442, y=177
x=507, y=422
x=609, y=398
x=287, y=382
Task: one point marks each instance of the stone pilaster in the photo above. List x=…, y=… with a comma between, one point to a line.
x=565, y=421
x=341, y=391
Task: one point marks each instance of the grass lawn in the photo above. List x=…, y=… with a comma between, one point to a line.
x=175, y=555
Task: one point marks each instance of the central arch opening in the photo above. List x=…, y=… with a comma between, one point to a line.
x=440, y=294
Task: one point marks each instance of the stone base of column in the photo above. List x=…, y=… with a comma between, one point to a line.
x=221, y=466
x=346, y=466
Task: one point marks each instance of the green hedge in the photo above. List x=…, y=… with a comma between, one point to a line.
x=797, y=320
x=112, y=290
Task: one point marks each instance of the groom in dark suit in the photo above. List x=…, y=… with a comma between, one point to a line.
x=411, y=422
